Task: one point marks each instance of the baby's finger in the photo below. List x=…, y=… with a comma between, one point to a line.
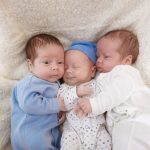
x=76, y=109
x=62, y=119
x=81, y=114
x=86, y=84
x=89, y=90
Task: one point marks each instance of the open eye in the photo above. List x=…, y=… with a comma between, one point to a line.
x=60, y=62
x=45, y=62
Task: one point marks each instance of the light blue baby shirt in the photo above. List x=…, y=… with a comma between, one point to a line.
x=34, y=120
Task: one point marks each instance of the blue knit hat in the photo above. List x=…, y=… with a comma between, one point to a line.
x=88, y=48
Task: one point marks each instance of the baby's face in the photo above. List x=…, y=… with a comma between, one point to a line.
x=49, y=63
x=107, y=54
x=78, y=68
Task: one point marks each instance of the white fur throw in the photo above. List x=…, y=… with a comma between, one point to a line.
x=68, y=20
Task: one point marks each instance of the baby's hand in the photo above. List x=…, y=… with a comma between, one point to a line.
x=79, y=111
x=62, y=117
x=84, y=89
x=85, y=105
x=61, y=103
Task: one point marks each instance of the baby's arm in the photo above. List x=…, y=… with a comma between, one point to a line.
x=116, y=90
x=118, y=87
x=32, y=101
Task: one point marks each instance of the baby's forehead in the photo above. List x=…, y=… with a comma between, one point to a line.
x=105, y=41
x=76, y=56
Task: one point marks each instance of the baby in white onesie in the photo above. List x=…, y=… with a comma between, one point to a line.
x=124, y=96
x=86, y=133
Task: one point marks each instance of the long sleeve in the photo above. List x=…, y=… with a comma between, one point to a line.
x=118, y=86
x=38, y=97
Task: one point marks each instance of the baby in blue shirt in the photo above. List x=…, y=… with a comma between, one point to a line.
x=35, y=106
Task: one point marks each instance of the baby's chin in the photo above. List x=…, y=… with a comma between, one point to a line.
x=71, y=83
x=100, y=70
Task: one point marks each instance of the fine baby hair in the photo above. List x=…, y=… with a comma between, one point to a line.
x=38, y=41
x=129, y=44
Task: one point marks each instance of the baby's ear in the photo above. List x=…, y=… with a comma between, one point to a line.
x=128, y=60
x=29, y=62
x=93, y=71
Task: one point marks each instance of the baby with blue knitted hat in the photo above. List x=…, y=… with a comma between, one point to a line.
x=88, y=48
x=87, y=132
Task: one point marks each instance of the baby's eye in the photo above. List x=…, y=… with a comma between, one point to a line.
x=106, y=57
x=60, y=62
x=45, y=62
x=76, y=67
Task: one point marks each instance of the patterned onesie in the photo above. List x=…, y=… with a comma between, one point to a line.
x=86, y=133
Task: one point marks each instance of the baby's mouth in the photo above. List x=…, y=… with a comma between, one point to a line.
x=70, y=78
x=54, y=76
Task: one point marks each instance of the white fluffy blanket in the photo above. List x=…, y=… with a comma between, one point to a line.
x=68, y=20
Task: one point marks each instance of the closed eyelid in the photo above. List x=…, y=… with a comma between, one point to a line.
x=75, y=66
x=71, y=67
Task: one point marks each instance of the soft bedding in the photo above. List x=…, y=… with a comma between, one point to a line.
x=68, y=20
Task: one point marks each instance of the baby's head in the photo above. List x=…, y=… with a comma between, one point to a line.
x=45, y=57
x=80, y=61
x=117, y=47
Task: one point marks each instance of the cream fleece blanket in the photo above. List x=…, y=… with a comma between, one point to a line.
x=68, y=20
